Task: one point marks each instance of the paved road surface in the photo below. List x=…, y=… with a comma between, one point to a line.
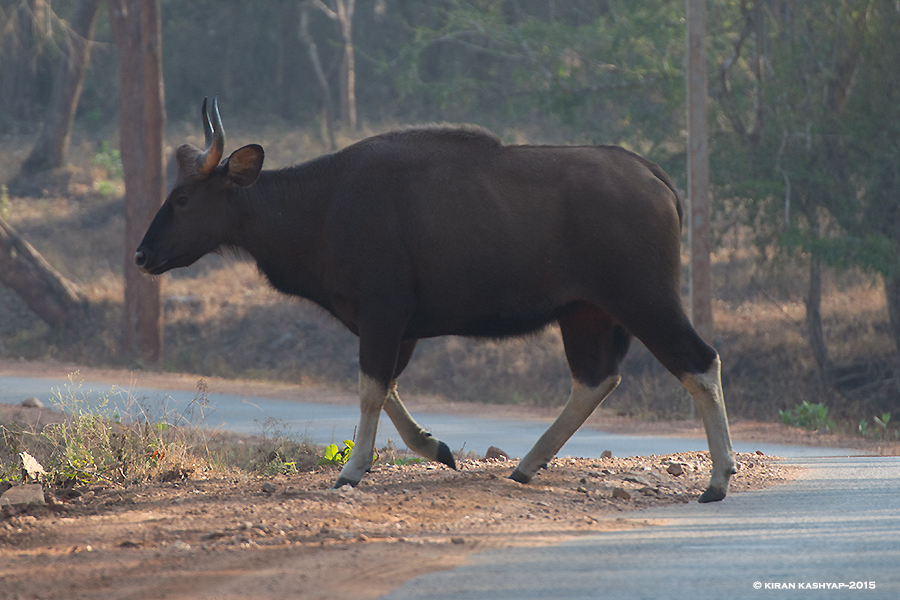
x=326, y=423
x=839, y=523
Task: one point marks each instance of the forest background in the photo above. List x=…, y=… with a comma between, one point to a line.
x=804, y=101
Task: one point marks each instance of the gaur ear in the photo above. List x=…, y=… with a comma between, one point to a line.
x=244, y=164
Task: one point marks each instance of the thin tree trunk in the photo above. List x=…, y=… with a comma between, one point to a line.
x=814, y=317
x=135, y=26
x=342, y=15
x=327, y=127
x=52, y=297
x=50, y=150
x=348, y=65
x=892, y=294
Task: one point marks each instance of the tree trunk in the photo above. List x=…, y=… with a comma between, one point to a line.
x=348, y=64
x=136, y=29
x=52, y=297
x=892, y=294
x=50, y=150
x=19, y=50
x=342, y=15
x=326, y=127
x=814, y=317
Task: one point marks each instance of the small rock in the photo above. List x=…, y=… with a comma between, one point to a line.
x=675, y=469
x=760, y=453
x=581, y=489
x=21, y=495
x=495, y=452
x=130, y=544
x=633, y=478
x=457, y=540
x=32, y=402
x=606, y=454
x=621, y=494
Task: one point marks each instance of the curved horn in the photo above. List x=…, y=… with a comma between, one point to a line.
x=215, y=140
x=207, y=128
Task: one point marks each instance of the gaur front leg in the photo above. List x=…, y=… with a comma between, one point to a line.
x=372, y=394
x=379, y=348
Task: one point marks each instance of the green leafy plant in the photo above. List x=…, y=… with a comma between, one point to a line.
x=807, y=416
x=881, y=428
x=336, y=456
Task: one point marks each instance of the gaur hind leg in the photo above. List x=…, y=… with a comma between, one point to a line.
x=671, y=338
x=595, y=345
x=414, y=435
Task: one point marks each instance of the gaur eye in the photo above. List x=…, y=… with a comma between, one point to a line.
x=180, y=201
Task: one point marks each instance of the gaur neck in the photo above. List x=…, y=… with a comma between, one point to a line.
x=281, y=224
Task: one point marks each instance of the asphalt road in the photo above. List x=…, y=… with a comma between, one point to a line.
x=335, y=422
x=832, y=533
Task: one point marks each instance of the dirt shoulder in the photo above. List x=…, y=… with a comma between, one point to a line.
x=292, y=536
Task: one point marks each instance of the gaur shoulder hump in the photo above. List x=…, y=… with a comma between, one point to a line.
x=461, y=134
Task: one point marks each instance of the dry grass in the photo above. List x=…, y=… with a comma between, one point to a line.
x=222, y=319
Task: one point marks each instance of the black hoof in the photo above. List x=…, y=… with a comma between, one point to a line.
x=342, y=481
x=445, y=456
x=519, y=476
x=711, y=495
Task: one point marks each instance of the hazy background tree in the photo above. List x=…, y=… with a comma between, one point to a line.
x=53, y=142
x=807, y=146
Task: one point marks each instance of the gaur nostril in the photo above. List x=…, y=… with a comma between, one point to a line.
x=140, y=258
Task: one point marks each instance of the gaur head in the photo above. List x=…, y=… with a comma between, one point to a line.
x=201, y=211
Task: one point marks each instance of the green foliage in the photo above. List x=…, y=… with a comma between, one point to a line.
x=110, y=160
x=602, y=72
x=882, y=428
x=106, y=188
x=808, y=416
x=336, y=456
x=4, y=202
x=807, y=116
